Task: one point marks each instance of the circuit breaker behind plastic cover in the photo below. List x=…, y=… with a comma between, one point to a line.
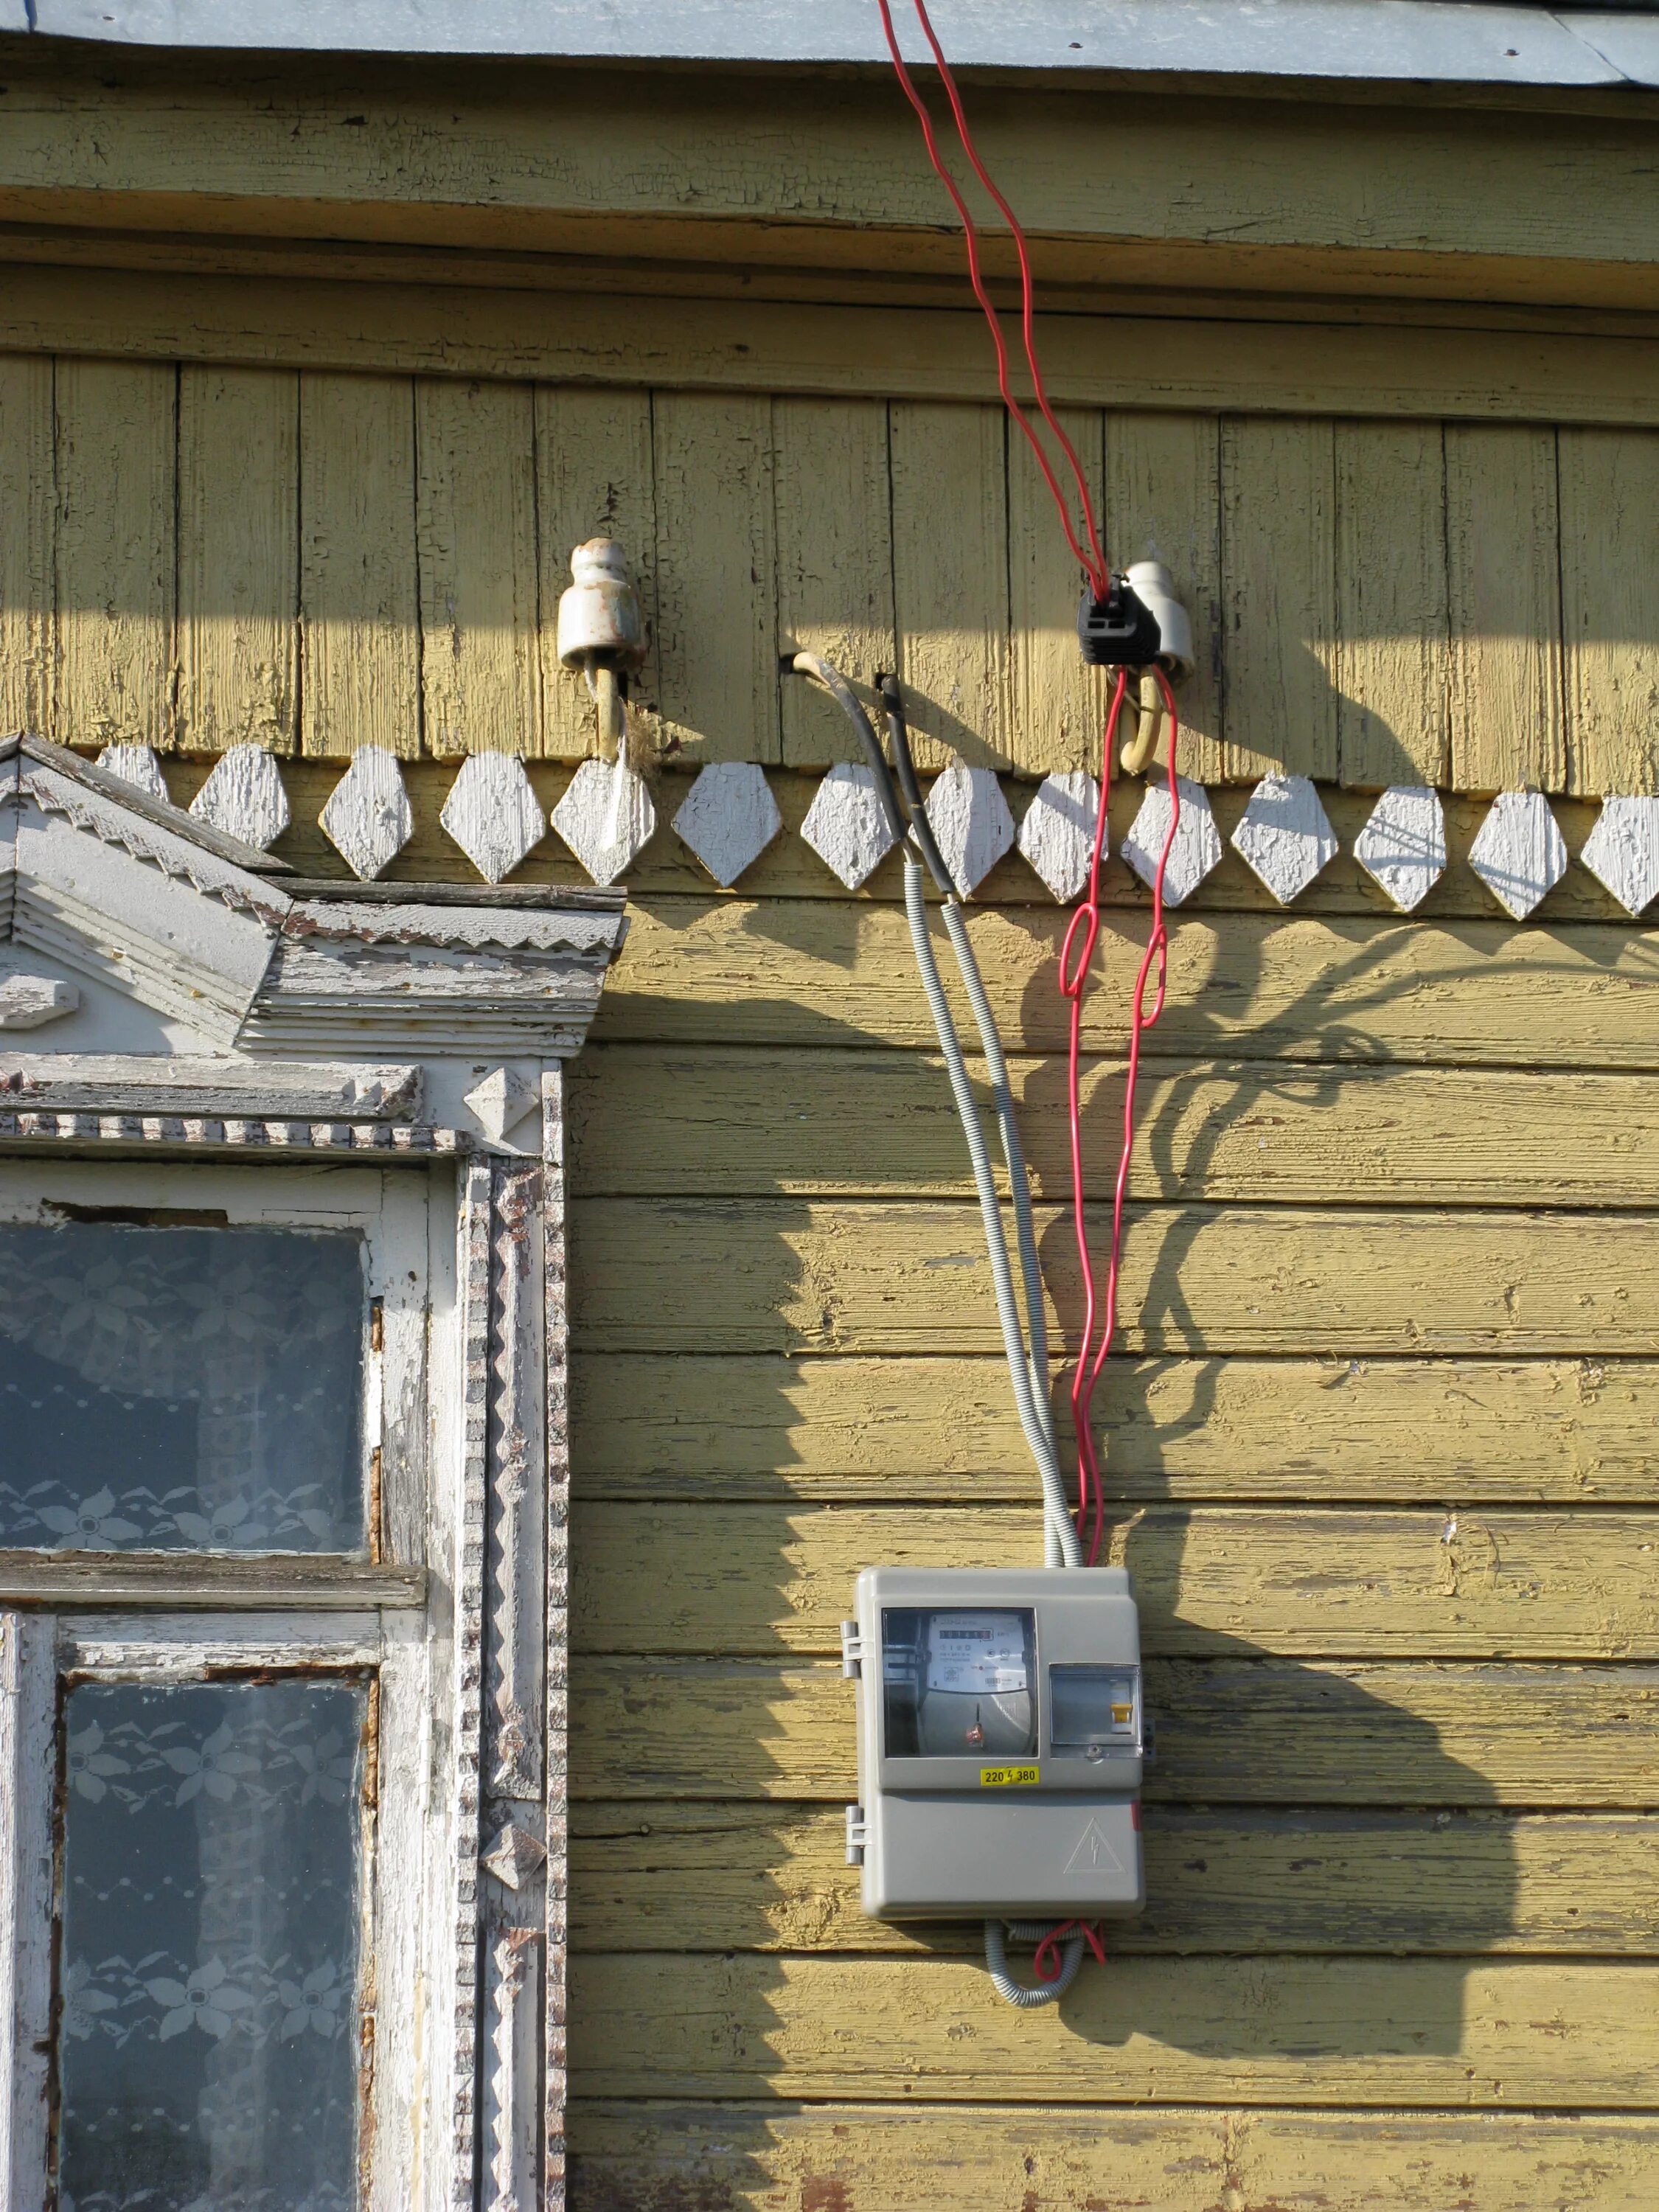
x=1001, y=1734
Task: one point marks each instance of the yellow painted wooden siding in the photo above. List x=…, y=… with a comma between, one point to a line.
x=1381, y=1442
x=1381, y=1450
x=378, y=560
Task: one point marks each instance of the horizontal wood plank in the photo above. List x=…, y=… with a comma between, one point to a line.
x=1492, y=2033
x=932, y=353
x=783, y=1275
x=778, y=2157
x=486, y=154
x=748, y=1121
x=1244, y=985
x=931, y=1430
x=193, y=1581
x=1245, y=1730
x=760, y=1579
x=733, y=1877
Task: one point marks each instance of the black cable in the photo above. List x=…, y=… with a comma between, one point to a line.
x=826, y=672
x=921, y=828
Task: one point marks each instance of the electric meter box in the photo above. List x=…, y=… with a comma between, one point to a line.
x=999, y=1742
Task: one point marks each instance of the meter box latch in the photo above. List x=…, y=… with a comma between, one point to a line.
x=1000, y=1742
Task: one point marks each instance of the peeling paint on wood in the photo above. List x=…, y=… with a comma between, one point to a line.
x=774, y=1877
x=942, y=1428
x=1246, y=1731
x=238, y=558
x=709, y=1577
x=1483, y=2033
x=781, y=2157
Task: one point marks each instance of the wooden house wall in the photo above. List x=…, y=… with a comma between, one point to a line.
x=1381, y=1442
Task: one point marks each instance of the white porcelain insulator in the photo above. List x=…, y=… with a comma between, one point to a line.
x=600, y=624
x=1154, y=586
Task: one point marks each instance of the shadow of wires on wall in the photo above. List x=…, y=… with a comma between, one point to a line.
x=1301, y=1807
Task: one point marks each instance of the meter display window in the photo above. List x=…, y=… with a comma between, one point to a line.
x=1095, y=1709
x=958, y=1684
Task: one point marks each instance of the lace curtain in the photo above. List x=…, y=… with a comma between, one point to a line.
x=207, y=2037
x=180, y=1388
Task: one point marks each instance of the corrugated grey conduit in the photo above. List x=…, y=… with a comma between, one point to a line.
x=1025, y=1343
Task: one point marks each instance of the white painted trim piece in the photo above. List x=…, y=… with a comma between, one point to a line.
x=1402, y=846
x=1519, y=852
x=368, y=817
x=970, y=821
x=501, y=1101
x=111, y=1083
x=512, y=1991
x=458, y=1902
x=138, y=766
x=1622, y=852
x=728, y=818
x=493, y=815
x=1284, y=836
x=27, y=1770
x=29, y=1002
x=1197, y=847
x=1058, y=833
x=244, y=797
x=606, y=817
x=845, y=825
x=167, y=1131
x=556, y=1665
x=514, y=1629
x=183, y=1650
x=104, y=906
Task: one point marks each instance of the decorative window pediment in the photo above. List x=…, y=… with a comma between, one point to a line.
x=288, y=1468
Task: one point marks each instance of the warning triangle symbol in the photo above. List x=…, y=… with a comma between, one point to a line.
x=1094, y=1853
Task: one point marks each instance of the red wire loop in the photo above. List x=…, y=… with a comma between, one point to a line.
x=1073, y=977
x=1047, y=1961
x=1093, y=560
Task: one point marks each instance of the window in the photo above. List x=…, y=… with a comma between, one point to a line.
x=216, y=1512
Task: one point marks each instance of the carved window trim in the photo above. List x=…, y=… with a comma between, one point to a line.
x=494, y=1886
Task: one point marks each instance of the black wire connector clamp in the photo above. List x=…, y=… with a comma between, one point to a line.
x=1139, y=622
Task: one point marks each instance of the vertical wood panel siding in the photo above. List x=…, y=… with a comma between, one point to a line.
x=1163, y=502
x=951, y=579
x=1502, y=540
x=594, y=478
x=835, y=561
x=28, y=516
x=476, y=526
x=1383, y=1461
x=359, y=597
x=117, y=451
x=238, y=559
x=379, y=560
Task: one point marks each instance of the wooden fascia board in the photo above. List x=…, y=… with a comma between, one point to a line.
x=532, y=160
x=1126, y=362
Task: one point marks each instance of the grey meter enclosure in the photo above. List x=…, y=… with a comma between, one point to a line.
x=1001, y=1742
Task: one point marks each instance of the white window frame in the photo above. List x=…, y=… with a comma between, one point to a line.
x=188, y=1616
x=217, y=1006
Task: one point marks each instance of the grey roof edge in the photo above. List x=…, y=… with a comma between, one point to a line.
x=1465, y=42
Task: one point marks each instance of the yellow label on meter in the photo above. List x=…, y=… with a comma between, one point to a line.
x=1007, y=1777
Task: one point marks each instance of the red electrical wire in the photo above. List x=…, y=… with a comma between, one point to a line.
x=1093, y=561
x=1048, y=1959
x=1073, y=977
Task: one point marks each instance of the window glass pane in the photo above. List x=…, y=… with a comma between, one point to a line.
x=958, y=1685
x=180, y=1389
x=206, y=2040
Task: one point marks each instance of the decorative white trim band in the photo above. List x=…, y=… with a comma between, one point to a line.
x=606, y=818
